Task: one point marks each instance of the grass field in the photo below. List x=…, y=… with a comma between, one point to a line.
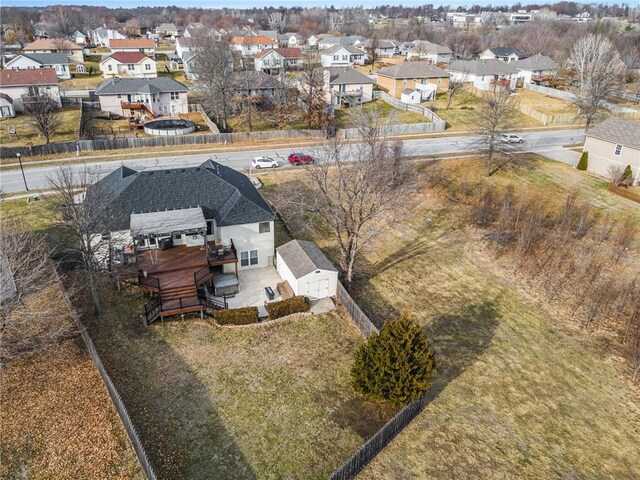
x=27, y=133
x=258, y=402
x=462, y=114
x=520, y=392
x=544, y=104
x=389, y=115
x=82, y=82
x=259, y=123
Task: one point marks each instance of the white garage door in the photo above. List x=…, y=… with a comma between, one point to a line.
x=318, y=288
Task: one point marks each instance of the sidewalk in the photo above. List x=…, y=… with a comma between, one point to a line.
x=560, y=154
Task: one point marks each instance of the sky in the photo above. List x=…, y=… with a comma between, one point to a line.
x=256, y=3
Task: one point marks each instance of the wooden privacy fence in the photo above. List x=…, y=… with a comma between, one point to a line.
x=381, y=439
x=439, y=124
x=358, y=317
x=557, y=119
x=196, y=107
x=113, y=392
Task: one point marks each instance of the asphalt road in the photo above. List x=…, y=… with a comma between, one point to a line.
x=548, y=143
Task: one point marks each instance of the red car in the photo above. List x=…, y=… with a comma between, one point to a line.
x=300, y=159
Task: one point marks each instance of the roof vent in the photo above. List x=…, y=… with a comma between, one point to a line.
x=167, y=171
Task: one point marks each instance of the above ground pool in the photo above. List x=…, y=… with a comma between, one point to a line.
x=169, y=127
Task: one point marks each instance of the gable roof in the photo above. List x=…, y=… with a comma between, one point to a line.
x=255, y=40
x=428, y=47
x=507, y=51
x=537, y=62
x=115, y=86
x=222, y=193
x=166, y=26
x=333, y=40
x=34, y=76
x=293, y=52
x=257, y=80
x=303, y=257
x=127, y=57
x=44, y=58
x=619, y=131
x=131, y=43
x=351, y=49
x=51, y=44
x=483, y=67
x=413, y=70
x=345, y=76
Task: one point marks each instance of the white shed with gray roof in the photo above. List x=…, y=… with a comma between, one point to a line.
x=307, y=270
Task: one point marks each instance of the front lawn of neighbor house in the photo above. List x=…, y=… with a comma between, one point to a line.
x=346, y=117
x=27, y=134
x=257, y=402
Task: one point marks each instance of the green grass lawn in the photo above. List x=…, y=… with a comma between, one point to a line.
x=27, y=133
x=345, y=117
x=462, y=114
x=520, y=391
x=213, y=402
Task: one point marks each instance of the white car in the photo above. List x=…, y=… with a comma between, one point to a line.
x=264, y=162
x=511, y=138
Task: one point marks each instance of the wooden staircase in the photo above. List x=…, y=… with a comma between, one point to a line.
x=181, y=291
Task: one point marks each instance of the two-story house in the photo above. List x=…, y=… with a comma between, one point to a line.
x=290, y=40
x=347, y=87
x=72, y=50
x=185, y=45
x=485, y=74
x=422, y=76
x=432, y=52
x=17, y=85
x=276, y=60
x=142, y=45
x=128, y=65
x=252, y=45
x=537, y=66
x=146, y=97
x=185, y=227
x=504, y=54
x=58, y=61
x=101, y=36
x=341, y=56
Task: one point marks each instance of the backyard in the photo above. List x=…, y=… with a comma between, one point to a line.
x=462, y=113
x=27, y=134
x=521, y=391
x=344, y=118
x=99, y=125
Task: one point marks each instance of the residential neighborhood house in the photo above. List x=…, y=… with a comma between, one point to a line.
x=167, y=30
x=385, y=48
x=55, y=45
x=535, y=67
x=143, y=97
x=252, y=45
x=276, y=60
x=504, y=54
x=101, y=36
x=614, y=144
x=290, y=40
x=142, y=45
x=328, y=41
x=422, y=76
x=484, y=74
x=79, y=37
x=341, y=56
x=58, y=61
x=347, y=87
x=128, y=65
x=16, y=86
x=432, y=52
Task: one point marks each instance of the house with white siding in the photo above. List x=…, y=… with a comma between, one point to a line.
x=341, y=56
x=128, y=65
x=275, y=60
x=484, y=74
x=29, y=61
x=55, y=45
x=142, y=45
x=16, y=86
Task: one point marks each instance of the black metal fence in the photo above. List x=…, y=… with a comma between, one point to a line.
x=381, y=439
x=358, y=317
x=113, y=392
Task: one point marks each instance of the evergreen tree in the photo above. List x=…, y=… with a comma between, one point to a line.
x=584, y=161
x=627, y=175
x=396, y=365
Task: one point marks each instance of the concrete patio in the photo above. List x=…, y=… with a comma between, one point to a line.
x=251, y=288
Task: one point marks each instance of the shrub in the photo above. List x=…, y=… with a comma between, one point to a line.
x=286, y=307
x=584, y=161
x=236, y=316
x=627, y=175
x=396, y=365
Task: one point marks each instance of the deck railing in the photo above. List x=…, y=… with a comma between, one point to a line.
x=150, y=282
x=155, y=307
x=202, y=275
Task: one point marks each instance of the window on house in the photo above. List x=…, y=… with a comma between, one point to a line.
x=110, y=67
x=404, y=82
x=210, y=227
x=248, y=258
x=174, y=95
x=130, y=66
x=345, y=57
x=618, y=150
x=264, y=227
x=147, y=66
x=336, y=57
x=119, y=96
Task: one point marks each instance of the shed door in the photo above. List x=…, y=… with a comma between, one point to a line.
x=318, y=288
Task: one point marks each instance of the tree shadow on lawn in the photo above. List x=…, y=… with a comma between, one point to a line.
x=170, y=407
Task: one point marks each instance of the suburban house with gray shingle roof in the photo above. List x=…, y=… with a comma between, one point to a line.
x=341, y=56
x=504, y=54
x=149, y=97
x=614, y=144
x=423, y=76
x=484, y=74
x=183, y=227
x=536, y=66
x=347, y=87
x=432, y=52
x=58, y=61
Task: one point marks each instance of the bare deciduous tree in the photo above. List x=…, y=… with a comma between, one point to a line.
x=277, y=21
x=455, y=87
x=32, y=312
x=43, y=113
x=83, y=214
x=312, y=86
x=357, y=191
x=598, y=70
x=496, y=117
x=284, y=102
